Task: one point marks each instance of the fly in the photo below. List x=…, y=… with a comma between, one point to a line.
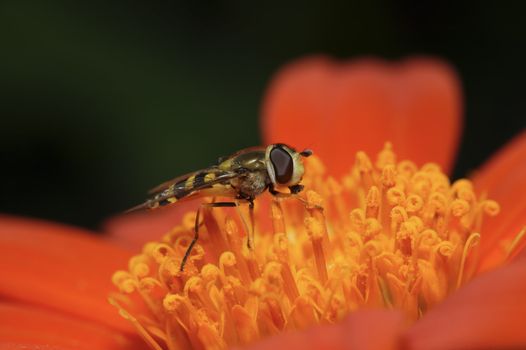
x=241, y=176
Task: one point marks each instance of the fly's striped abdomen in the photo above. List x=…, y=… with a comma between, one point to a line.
x=183, y=188
x=168, y=196
x=213, y=181
x=198, y=180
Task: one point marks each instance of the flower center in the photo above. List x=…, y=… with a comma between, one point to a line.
x=388, y=235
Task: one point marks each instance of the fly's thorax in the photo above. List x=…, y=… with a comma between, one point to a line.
x=284, y=165
x=252, y=183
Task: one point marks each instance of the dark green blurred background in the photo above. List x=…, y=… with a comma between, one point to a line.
x=100, y=100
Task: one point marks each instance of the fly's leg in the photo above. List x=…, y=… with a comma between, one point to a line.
x=294, y=190
x=196, y=226
x=251, y=234
x=250, y=230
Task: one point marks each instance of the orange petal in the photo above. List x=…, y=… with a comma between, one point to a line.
x=503, y=178
x=362, y=330
x=59, y=267
x=488, y=313
x=26, y=327
x=335, y=107
x=133, y=230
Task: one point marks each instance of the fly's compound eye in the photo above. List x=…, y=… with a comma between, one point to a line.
x=283, y=164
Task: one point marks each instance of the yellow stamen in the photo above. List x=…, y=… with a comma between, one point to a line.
x=138, y=326
x=518, y=242
x=389, y=235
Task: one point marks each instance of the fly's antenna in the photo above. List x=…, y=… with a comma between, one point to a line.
x=309, y=146
x=306, y=153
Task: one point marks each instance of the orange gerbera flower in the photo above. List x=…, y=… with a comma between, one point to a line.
x=396, y=260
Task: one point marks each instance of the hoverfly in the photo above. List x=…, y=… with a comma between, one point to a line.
x=241, y=176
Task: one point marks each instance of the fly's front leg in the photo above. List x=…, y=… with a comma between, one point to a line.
x=294, y=190
x=196, y=226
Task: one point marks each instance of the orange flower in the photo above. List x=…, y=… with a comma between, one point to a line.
x=54, y=287
x=55, y=279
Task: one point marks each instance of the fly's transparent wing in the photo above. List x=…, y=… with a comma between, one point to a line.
x=178, y=179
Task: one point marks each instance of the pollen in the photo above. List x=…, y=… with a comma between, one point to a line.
x=389, y=234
